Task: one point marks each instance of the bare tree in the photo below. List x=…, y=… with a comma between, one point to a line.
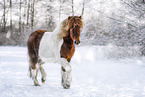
x=4, y=17
x=11, y=15
x=83, y=7
x=72, y=8
x=28, y=9
x=60, y=7
x=20, y=17
x=32, y=13
x=24, y=14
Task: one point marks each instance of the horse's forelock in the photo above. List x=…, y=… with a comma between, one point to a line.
x=74, y=20
x=79, y=22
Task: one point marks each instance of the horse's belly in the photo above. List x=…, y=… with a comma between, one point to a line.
x=49, y=48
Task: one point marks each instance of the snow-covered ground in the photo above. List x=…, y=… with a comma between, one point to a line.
x=97, y=71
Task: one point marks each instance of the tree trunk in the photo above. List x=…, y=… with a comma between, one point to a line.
x=59, y=10
x=11, y=15
x=83, y=7
x=28, y=12
x=24, y=15
x=4, y=18
x=72, y=8
x=32, y=14
x=20, y=18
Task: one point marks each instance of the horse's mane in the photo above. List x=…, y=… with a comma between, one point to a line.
x=68, y=23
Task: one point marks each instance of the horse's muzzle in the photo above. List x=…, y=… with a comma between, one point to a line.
x=77, y=42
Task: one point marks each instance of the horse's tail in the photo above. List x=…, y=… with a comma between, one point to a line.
x=33, y=47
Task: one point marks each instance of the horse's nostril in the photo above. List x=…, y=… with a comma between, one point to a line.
x=77, y=42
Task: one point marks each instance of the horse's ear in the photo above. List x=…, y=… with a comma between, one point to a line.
x=80, y=17
x=69, y=17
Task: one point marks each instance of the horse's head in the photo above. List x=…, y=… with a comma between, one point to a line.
x=75, y=25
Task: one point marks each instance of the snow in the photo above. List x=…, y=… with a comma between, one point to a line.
x=96, y=72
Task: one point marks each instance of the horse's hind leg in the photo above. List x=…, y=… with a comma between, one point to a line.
x=43, y=73
x=33, y=48
x=30, y=71
x=33, y=71
x=34, y=75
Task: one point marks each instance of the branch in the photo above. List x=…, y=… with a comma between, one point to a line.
x=72, y=8
x=83, y=7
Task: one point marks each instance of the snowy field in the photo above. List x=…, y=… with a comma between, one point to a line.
x=97, y=71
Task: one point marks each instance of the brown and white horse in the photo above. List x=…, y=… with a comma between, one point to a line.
x=57, y=46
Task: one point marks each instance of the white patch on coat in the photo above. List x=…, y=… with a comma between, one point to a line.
x=50, y=46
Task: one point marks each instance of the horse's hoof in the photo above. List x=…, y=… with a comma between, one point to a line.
x=36, y=83
x=66, y=86
x=43, y=80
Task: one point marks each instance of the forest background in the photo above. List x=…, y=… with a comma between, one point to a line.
x=119, y=22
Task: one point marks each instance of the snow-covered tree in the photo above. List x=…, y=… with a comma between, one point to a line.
x=105, y=21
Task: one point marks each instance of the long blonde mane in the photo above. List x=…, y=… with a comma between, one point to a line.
x=71, y=21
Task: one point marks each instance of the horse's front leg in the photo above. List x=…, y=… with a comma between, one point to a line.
x=66, y=78
x=66, y=73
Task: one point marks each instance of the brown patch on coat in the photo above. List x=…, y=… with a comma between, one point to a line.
x=67, y=48
x=33, y=47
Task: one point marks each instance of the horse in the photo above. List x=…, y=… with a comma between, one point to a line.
x=57, y=47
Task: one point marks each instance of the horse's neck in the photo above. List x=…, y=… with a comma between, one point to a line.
x=67, y=40
x=57, y=32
